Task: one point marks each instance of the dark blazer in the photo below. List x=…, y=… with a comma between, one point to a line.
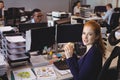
x=0, y=13
x=87, y=67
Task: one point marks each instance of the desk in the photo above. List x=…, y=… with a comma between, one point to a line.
x=75, y=18
x=67, y=76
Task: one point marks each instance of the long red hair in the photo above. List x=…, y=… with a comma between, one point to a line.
x=96, y=27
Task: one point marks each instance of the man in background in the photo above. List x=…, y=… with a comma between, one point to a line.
x=107, y=16
x=36, y=17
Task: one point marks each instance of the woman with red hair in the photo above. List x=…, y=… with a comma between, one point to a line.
x=90, y=64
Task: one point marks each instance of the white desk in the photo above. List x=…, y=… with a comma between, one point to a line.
x=74, y=19
x=67, y=76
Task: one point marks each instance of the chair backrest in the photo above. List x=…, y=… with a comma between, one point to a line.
x=117, y=9
x=114, y=21
x=103, y=73
x=112, y=39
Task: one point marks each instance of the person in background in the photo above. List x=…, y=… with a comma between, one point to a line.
x=88, y=66
x=37, y=16
x=107, y=16
x=77, y=8
x=1, y=10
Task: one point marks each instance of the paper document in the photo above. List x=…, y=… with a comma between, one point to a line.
x=15, y=38
x=24, y=74
x=38, y=61
x=7, y=28
x=45, y=73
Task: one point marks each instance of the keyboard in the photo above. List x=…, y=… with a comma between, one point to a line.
x=61, y=65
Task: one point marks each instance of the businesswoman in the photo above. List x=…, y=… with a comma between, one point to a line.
x=76, y=10
x=90, y=64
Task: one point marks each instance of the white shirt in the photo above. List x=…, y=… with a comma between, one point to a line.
x=76, y=10
x=108, y=15
x=32, y=21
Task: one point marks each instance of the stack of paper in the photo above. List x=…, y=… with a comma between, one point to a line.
x=6, y=28
x=3, y=65
x=15, y=38
x=39, y=60
x=45, y=73
x=24, y=74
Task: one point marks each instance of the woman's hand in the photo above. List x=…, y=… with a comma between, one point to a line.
x=69, y=49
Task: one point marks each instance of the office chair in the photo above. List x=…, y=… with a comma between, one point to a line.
x=117, y=9
x=110, y=74
x=112, y=39
x=114, y=21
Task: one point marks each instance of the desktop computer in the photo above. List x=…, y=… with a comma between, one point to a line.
x=38, y=38
x=27, y=26
x=69, y=33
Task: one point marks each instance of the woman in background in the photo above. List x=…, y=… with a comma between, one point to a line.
x=77, y=7
x=90, y=64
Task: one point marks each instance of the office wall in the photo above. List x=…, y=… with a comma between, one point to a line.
x=113, y=2
x=94, y=3
x=119, y=3
x=44, y=5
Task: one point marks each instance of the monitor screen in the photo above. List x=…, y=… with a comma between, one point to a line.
x=27, y=26
x=100, y=9
x=42, y=37
x=69, y=33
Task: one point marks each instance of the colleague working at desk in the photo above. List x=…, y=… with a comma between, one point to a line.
x=77, y=7
x=90, y=64
x=107, y=16
x=37, y=16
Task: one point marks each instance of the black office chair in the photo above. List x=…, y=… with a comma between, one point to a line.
x=112, y=39
x=112, y=73
x=114, y=21
x=117, y=9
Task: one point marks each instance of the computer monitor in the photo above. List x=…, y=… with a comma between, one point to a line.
x=39, y=38
x=27, y=26
x=100, y=9
x=86, y=12
x=69, y=33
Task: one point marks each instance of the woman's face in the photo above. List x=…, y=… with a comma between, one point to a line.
x=88, y=35
x=1, y=5
x=78, y=4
